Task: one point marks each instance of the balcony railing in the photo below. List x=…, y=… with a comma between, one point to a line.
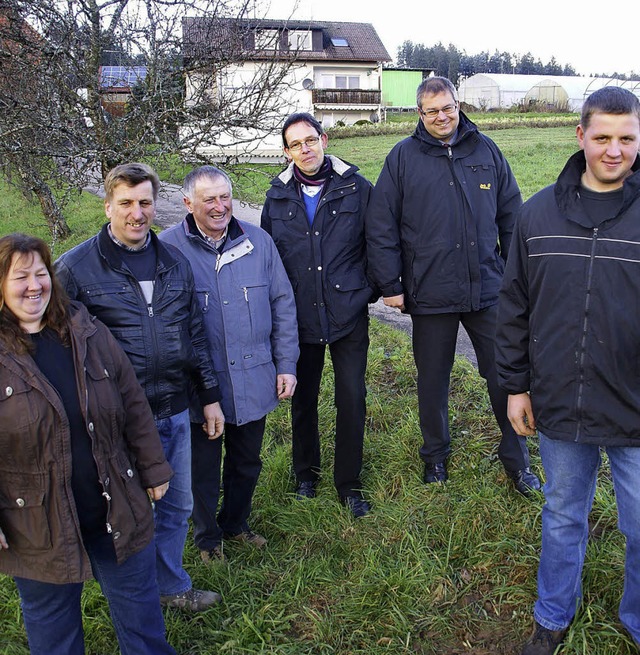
x=346, y=97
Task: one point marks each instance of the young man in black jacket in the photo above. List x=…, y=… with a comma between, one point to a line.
x=438, y=232
x=315, y=211
x=143, y=291
x=568, y=346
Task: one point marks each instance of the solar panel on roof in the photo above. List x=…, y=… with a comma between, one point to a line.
x=121, y=76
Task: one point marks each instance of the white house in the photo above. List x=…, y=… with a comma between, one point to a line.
x=333, y=71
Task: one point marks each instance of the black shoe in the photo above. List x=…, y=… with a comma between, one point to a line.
x=435, y=472
x=543, y=641
x=306, y=489
x=525, y=481
x=359, y=506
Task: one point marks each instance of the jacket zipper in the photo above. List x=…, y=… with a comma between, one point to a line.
x=583, y=340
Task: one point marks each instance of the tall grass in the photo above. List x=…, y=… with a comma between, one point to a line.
x=433, y=569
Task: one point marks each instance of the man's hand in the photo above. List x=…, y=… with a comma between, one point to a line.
x=395, y=301
x=3, y=541
x=213, y=420
x=285, y=385
x=520, y=413
x=156, y=493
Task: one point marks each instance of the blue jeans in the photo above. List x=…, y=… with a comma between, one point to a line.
x=571, y=471
x=173, y=511
x=53, y=618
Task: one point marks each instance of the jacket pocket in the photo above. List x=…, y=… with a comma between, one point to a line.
x=126, y=489
x=256, y=298
x=23, y=514
x=18, y=410
x=349, y=295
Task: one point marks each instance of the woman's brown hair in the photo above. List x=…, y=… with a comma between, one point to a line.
x=12, y=336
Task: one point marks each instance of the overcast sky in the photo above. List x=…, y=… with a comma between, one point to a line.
x=603, y=40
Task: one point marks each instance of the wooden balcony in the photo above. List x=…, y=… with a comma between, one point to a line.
x=346, y=97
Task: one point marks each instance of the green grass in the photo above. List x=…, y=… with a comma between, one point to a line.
x=434, y=569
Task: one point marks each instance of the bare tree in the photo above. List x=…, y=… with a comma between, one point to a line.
x=55, y=133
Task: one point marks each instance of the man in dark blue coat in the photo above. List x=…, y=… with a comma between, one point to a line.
x=568, y=347
x=438, y=232
x=315, y=211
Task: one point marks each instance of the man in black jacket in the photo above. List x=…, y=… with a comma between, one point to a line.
x=144, y=292
x=438, y=232
x=315, y=211
x=568, y=347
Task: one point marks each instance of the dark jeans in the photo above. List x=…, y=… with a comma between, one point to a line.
x=53, y=618
x=434, y=347
x=241, y=470
x=349, y=358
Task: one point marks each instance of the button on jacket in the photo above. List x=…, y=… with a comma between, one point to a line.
x=326, y=262
x=248, y=311
x=440, y=221
x=165, y=341
x=37, y=509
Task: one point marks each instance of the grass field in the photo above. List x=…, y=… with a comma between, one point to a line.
x=434, y=569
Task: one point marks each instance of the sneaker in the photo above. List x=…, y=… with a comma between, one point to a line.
x=215, y=554
x=192, y=600
x=248, y=537
x=543, y=641
x=359, y=506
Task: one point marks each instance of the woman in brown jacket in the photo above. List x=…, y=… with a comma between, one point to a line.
x=80, y=460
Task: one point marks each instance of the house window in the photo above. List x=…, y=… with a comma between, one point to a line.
x=338, y=42
x=267, y=39
x=347, y=82
x=300, y=40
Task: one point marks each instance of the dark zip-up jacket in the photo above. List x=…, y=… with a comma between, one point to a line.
x=569, y=314
x=37, y=508
x=440, y=221
x=165, y=341
x=326, y=263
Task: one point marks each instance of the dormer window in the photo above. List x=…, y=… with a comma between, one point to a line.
x=300, y=40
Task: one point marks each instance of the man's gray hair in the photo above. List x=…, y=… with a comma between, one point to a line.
x=434, y=86
x=203, y=172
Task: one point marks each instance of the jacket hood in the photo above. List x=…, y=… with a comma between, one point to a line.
x=567, y=188
x=465, y=128
x=342, y=168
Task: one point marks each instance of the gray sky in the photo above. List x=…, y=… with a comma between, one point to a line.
x=592, y=41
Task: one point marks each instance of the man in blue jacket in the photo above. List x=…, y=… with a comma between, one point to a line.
x=249, y=313
x=438, y=232
x=143, y=291
x=568, y=347
x=315, y=211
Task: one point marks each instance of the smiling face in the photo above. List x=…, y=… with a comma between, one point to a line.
x=443, y=125
x=26, y=290
x=131, y=210
x=610, y=144
x=211, y=205
x=307, y=157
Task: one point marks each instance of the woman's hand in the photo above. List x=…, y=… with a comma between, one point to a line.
x=156, y=493
x=3, y=540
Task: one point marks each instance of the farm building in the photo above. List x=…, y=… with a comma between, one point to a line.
x=399, y=86
x=566, y=92
x=496, y=91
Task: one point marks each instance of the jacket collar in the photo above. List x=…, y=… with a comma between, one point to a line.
x=234, y=229
x=342, y=168
x=113, y=253
x=567, y=188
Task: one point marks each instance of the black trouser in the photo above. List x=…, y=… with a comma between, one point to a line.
x=434, y=347
x=241, y=469
x=349, y=358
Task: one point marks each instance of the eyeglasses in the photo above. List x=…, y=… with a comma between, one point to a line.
x=310, y=142
x=433, y=113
